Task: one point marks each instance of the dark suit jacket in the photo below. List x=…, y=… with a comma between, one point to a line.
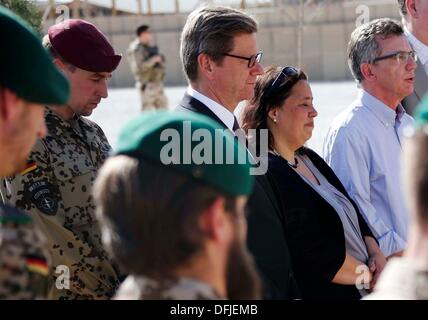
x=314, y=230
x=421, y=88
x=266, y=234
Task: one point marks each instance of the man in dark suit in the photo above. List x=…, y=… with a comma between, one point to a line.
x=415, y=22
x=221, y=62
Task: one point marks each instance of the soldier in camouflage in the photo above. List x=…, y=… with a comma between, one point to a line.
x=56, y=186
x=190, y=245
x=24, y=257
x=24, y=254
x=148, y=67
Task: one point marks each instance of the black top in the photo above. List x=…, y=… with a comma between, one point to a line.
x=314, y=230
x=266, y=235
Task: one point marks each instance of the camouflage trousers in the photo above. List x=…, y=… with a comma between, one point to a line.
x=153, y=96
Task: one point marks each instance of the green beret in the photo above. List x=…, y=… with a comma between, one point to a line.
x=26, y=67
x=191, y=143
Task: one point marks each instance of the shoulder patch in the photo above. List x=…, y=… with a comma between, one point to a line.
x=43, y=195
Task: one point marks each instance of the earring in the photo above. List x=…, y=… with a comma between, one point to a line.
x=274, y=120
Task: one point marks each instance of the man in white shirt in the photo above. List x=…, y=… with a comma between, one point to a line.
x=415, y=21
x=406, y=278
x=364, y=142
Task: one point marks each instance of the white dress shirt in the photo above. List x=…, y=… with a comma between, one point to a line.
x=220, y=111
x=363, y=146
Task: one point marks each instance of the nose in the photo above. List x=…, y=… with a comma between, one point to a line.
x=257, y=69
x=103, y=90
x=411, y=64
x=313, y=113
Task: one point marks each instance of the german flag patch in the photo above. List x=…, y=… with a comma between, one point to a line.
x=37, y=264
x=31, y=166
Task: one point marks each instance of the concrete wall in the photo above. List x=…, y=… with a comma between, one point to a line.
x=326, y=33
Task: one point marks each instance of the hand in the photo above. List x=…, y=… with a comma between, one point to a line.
x=376, y=265
x=377, y=259
x=157, y=59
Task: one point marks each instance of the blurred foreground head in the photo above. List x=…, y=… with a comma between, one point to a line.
x=415, y=168
x=28, y=81
x=171, y=203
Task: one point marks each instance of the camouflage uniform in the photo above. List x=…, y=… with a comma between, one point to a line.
x=149, y=77
x=57, y=192
x=143, y=288
x=24, y=257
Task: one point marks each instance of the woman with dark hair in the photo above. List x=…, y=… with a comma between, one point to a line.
x=333, y=252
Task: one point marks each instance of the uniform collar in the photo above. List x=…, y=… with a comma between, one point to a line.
x=51, y=114
x=77, y=124
x=54, y=122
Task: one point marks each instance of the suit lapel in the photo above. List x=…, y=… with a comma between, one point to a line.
x=192, y=104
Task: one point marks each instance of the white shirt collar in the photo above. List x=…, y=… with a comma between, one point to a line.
x=420, y=48
x=385, y=114
x=220, y=111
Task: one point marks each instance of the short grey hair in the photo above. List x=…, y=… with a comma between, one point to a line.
x=364, y=47
x=211, y=30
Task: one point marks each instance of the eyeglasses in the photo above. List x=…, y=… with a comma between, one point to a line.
x=400, y=56
x=251, y=60
x=286, y=74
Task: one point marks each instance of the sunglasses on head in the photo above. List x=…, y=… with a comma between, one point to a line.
x=282, y=78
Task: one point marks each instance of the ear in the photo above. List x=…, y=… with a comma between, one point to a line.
x=205, y=65
x=9, y=105
x=412, y=8
x=273, y=113
x=367, y=72
x=60, y=64
x=213, y=220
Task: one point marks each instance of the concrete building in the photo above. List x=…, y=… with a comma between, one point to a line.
x=314, y=35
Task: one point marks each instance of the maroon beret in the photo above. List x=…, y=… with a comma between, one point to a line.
x=83, y=45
